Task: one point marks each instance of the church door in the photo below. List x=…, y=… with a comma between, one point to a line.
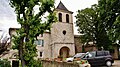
x=64, y=52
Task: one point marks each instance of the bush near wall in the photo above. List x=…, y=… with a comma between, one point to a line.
x=4, y=63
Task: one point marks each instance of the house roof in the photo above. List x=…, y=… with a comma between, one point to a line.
x=62, y=7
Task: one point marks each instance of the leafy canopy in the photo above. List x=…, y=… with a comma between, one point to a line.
x=31, y=26
x=99, y=23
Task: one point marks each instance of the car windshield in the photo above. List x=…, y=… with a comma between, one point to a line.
x=79, y=54
x=89, y=54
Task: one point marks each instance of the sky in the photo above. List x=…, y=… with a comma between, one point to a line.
x=8, y=17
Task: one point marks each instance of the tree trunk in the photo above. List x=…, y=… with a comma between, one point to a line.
x=21, y=53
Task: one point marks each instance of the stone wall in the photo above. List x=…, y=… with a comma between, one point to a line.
x=58, y=64
x=78, y=44
x=115, y=54
x=57, y=35
x=90, y=48
x=58, y=46
x=64, y=15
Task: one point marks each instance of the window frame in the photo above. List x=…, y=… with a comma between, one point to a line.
x=39, y=42
x=40, y=54
x=60, y=17
x=67, y=18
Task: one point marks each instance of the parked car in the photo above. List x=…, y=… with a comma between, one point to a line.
x=77, y=58
x=78, y=55
x=97, y=58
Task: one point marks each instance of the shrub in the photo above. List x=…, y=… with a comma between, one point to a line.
x=4, y=63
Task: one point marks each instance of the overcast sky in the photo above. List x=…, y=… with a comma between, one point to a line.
x=8, y=17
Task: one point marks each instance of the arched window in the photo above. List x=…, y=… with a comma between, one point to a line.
x=67, y=18
x=60, y=17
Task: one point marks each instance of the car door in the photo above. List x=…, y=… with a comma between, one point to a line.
x=99, y=58
x=90, y=57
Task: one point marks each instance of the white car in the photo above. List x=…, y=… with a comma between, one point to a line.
x=78, y=55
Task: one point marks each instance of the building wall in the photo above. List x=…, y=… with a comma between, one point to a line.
x=115, y=54
x=58, y=39
x=58, y=46
x=45, y=49
x=90, y=48
x=64, y=15
x=57, y=33
x=78, y=44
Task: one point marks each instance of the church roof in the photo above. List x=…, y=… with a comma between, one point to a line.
x=62, y=7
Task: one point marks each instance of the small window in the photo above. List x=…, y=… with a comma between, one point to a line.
x=60, y=17
x=39, y=42
x=64, y=32
x=36, y=42
x=41, y=54
x=67, y=18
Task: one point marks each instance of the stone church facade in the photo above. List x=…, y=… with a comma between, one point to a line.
x=59, y=42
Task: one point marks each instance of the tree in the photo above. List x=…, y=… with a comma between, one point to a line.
x=86, y=20
x=3, y=43
x=31, y=26
x=109, y=13
x=91, y=26
x=100, y=23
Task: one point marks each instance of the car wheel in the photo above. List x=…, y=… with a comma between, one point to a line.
x=108, y=63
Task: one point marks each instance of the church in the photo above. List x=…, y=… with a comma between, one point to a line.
x=60, y=41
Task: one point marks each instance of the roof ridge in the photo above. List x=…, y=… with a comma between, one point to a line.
x=62, y=7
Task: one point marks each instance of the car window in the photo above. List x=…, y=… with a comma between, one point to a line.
x=89, y=55
x=79, y=54
x=107, y=53
x=100, y=53
x=92, y=54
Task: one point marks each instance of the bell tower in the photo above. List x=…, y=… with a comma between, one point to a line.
x=62, y=33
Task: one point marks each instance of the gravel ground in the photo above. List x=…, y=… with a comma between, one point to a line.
x=116, y=63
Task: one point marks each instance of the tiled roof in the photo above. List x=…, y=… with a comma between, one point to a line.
x=61, y=6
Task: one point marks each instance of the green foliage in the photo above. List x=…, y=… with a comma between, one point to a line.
x=87, y=23
x=31, y=26
x=91, y=26
x=110, y=13
x=4, y=63
x=100, y=23
x=35, y=63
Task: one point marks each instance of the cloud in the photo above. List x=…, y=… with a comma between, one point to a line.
x=8, y=17
x=7, y=14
